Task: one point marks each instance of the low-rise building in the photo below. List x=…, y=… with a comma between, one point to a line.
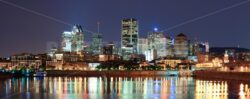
x=27, y=60
x=216, y=62
x=65, y=60
x=5, y=63
x=103, y=57
x=168, y=62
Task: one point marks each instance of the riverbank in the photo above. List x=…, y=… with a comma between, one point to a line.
x=121, y=73
x=106, y=73
x=8, y=75
x=206, y=74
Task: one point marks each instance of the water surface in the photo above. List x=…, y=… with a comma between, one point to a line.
x=122, y=88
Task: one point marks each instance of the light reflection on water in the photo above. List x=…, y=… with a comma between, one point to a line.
x=122, y=88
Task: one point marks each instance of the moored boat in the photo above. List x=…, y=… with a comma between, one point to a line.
x=40, y=74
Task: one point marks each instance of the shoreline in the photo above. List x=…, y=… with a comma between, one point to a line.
x=8, y=75
x=53, y=73
x=104, y=73
x=200, y=74
x=239, y=76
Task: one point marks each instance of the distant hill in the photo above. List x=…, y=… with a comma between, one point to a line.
x=222, y=49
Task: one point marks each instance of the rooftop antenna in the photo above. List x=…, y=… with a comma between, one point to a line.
x=98, y=27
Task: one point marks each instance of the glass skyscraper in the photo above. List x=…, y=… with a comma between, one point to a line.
x=73, y=40
x=129, y=37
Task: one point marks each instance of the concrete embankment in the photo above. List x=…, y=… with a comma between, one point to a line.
x=8, y=75
x=241, y=76
x=105, y=73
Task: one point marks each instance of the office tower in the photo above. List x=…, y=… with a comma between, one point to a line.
x=190, y=48
x=109, y=49
x=73, y=40
x=67, y=41
x=181, y=46
x=206, y=51
x=142, y=45
x=129, y=37
x=170, y=46
x=96, y=44
x=150, y=54
x=158, y=42
x=109, y=53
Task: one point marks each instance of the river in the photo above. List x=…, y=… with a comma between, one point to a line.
x=122, y=88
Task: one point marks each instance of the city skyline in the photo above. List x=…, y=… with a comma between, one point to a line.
x=124, y=49
x=217, y=29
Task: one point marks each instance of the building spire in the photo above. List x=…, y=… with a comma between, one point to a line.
x=98, y=27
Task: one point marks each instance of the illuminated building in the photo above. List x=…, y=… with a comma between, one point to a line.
x=96, y=44
x=52, y=52
x=108, y=53
x=181, y=46
x=226, y=58
x=170, y=46
x=103, y=58
x=201, y=57
x=129, y=37
x=142, y=45
x=150, y=54
x=73, y=40
x=169, y=62
x=206, y=51
x=66, y=43
x=156, y=45
x=207, y=47
x=158, y=42
x=216, y=62
x=92, y=66
x=199, y=50
x=55, y=62
x=5, y=63
x=203, y=47
x=108, y=49
x=26, y=59
x=66, y=61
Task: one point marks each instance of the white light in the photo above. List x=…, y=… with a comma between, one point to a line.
x=155, y=29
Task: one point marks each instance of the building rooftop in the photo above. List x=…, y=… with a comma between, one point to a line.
x=181, y=35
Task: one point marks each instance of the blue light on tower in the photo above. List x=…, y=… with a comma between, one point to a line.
x=155, y=29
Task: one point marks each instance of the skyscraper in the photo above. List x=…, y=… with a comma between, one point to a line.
x=73, y=40
x=129, y=37
x=206, y=51
x=142, y=45
x=96, y=44
x=157, y=41
x=181, y=46
x=170, y=46
x=156, y=45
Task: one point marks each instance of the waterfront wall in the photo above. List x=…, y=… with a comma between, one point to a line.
x=105, y=73
x=242, y=76
x=8, y=75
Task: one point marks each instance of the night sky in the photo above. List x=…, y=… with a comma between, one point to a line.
x=220, y=22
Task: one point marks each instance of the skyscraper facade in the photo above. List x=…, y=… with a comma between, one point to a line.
x=129, y=37
x=181, y=47
x=157, y=41
x=96, y=44
x=142, y=45
x=73, y=40
x=170, y=46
